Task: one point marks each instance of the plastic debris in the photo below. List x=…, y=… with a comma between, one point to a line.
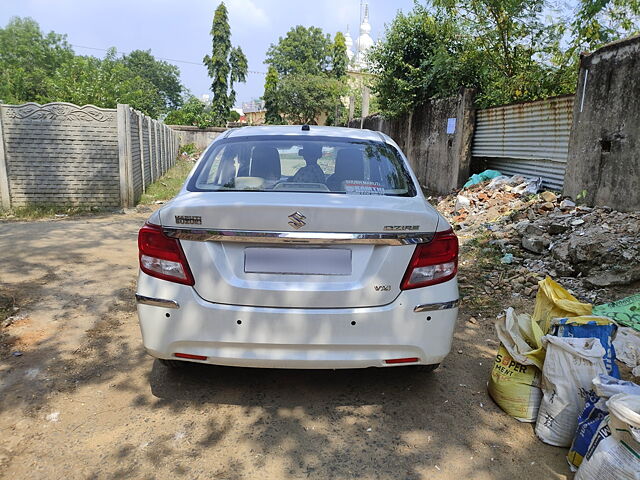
x=627, y=345
x=53, y=417
x=481, y=177
x=508, y=258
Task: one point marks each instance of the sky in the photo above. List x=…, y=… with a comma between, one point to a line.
x=179, y=29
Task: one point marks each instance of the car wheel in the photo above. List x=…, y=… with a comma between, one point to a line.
x=172, y=363
x=427, y=368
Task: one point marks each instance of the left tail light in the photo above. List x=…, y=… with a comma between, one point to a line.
x=433, y=262
x=162, y=256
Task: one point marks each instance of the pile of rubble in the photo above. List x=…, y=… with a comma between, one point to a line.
x=542, y=234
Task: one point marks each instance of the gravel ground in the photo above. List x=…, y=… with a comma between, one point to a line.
x=83, y=400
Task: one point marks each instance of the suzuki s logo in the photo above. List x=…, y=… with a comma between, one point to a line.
x=297, y=220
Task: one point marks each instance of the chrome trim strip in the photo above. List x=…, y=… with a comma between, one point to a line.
x=156, y=302
x=429, y=307
x=261, y=236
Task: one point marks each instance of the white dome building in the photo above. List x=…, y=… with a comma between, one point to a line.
x=349, y=42
x=365, y=42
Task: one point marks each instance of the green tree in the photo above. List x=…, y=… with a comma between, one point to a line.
x=307, y=76
x=423, y=55
x=103, y=83
x=226, y=65
x=302, y=50
x=27, y=59
x=270, y=97
x=164, y=76
x=193, y=112
x=339, y=59
x=602, y=21
x=521, y=56
x=302, y=98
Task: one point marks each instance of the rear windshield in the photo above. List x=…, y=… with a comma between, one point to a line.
x=303, y=164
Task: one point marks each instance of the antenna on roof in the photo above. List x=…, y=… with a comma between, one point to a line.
x=305, y=128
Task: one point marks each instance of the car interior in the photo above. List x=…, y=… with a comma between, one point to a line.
x=310, y=167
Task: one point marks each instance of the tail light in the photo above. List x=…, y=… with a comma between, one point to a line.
x=162, y=256
x=433, y=262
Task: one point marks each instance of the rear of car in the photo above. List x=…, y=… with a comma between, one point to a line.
x=299, y=249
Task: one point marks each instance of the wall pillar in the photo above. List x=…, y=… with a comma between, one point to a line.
x=124, y=154
x=5, y=196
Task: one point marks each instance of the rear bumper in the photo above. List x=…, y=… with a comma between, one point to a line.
x=293, y=337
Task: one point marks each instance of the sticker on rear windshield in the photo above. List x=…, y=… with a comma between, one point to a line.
x=361, y=187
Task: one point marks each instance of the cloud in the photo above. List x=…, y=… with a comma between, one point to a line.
x=247, y=14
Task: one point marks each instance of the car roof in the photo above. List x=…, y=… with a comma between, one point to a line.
x=314, y=131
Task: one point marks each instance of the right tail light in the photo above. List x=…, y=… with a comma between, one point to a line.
x=433, y=262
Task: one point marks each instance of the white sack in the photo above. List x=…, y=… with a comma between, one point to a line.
x=569, y=368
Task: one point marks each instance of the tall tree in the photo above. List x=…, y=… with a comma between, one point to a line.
x=27, y=58
x=226, y=65
x=239, y=67
x=302, y=83
x=270, y=97
x=302, y=50
x=164, y=76
x=339, y=59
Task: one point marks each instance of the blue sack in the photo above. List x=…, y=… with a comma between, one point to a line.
x=590, y=327
x=588, y=423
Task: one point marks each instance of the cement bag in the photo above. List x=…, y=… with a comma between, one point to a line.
x=515, y=378
x=601, y=328
x=554, y=301
x=595, y=409
x=614, y=453
x=569, y=367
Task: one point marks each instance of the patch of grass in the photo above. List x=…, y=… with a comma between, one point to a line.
x=168, y=186
x=36, y=212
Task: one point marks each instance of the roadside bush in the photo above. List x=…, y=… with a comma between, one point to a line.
x=189, y=149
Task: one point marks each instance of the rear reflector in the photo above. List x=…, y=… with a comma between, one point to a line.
x=402, y=360
x=189, y=356
x=433, y=262
x=162, y=257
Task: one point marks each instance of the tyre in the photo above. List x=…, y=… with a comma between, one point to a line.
x=173, y=364
x=427, y=368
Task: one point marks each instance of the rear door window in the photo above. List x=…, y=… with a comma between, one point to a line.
x=289, y=163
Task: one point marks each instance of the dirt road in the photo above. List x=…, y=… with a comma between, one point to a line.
x=83, y=400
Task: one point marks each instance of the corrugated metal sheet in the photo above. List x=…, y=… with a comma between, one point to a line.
x=530, y=139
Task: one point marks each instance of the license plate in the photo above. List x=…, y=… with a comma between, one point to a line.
x=298, y=261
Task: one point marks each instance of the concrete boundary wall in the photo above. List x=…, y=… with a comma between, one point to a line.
x=436, y=137
x=70, y=155
x=604, y=149
x=200, y=137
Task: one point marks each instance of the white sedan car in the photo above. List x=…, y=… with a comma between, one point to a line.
x=299, y=247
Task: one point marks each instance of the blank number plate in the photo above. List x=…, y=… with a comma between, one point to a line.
x=298, y=261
